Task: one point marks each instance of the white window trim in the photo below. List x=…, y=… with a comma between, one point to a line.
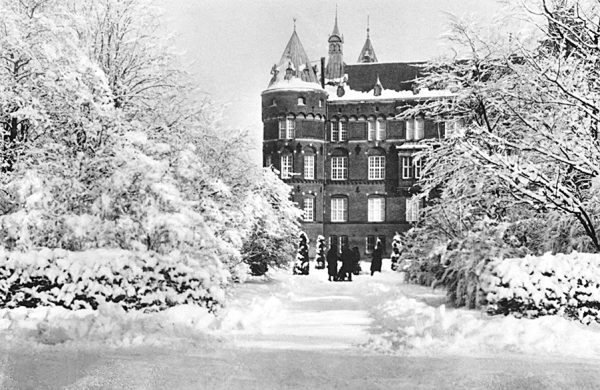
x=376, y=167
x=381, y=130
x=339, y=209
x=410, y=130
x=419, y=128
x=406, y=167
x=309, y=210
x=287, y=166
x=343, y=127
x=309, y=167
x=339, y=171
x=371, y=129
x=335, y=131
x=417, y=167
x=413, y=206
x=376, y=209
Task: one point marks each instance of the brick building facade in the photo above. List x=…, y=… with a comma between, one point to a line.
x=333, y=134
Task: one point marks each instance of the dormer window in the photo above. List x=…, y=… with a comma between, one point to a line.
x=301, y=101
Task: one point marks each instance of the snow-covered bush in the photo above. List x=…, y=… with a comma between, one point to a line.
x=534, y=286
x=137, y=280
x=396, y=248
x=301, y=265
x=320, y=253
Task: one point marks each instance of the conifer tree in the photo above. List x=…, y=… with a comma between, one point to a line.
x=320, y=257
x=301, y=266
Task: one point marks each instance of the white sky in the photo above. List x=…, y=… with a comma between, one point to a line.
x=231, y=45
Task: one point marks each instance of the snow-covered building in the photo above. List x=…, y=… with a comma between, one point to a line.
x=332, y=132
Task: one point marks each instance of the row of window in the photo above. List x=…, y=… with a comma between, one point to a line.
x=370, y=242
x=375, y=209
x=376, y=129
x=411, y=168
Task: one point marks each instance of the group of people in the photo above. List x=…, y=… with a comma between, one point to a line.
x=350, y=262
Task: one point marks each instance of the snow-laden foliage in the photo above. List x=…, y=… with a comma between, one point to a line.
x=302, y=262
x=320, y=253
x=108, y=144
x=133, y=280
x=396, y=250
x=567, y=285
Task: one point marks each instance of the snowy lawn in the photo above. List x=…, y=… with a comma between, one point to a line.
x=371, y=315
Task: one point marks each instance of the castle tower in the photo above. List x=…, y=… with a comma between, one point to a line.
x=367, y=54
x=294, y=114
x=335, y=64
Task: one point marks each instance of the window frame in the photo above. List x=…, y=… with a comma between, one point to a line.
x=309, y=168
x=339, y=173
x=306, y=208
x=417, y=167
x=406, y=167
x=371, y=129
x=335, y=131
x=343, y=131
x=413, y=208
x=290, y=127
x=419, y=129
x=381, y=129
x=286, y=169
x=301, y=101
x=410, y=130
x=375, y=171
x=376, y=208
x=338, y=214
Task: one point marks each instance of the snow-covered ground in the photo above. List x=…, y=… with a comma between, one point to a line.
x=363, y=330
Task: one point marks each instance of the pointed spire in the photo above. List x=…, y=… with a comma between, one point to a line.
x=336, y=31
x=367, y=54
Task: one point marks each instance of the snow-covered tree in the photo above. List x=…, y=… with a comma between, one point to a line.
x=396, y=249
x=530, y=121
x=301, y=265
x=320, y=253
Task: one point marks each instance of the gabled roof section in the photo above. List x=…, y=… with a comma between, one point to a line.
x=397, y=76
x=294, y=65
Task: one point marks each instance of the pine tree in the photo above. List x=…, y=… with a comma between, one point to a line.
x=396, y=248
x=301, y=265
x=320, y=257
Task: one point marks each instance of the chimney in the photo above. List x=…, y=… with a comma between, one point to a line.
x=322, y=72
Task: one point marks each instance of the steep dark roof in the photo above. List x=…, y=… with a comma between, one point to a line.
x=294, y=57
x=367, y=54
x=398, y=76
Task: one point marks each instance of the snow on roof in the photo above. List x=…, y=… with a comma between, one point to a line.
x=386, y=94
x=294, y=83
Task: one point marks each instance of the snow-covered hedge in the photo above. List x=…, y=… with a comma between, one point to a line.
x=532, y=286
x=83, y=280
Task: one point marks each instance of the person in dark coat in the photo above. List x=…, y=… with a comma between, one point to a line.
x=355, y=261
x=332, y=260
x=376, y=258
x=347, y=264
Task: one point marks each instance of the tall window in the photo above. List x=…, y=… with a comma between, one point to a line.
x=419, y=128
x=339, y=168
x=381, y=129
x=343, y=242
x=309, y=209
x=413, y=206
x=418, y=164
x=287, y=128
x=335, y=131
x=333, y=240
x=309, y=167
x=370, y=247
x=339, y=209
x=371, y=127
x=344, y=131
x=406, y=167
x=268, y=161
x=376, y=167
x=410, y=129
x=286, y=166
x=376, y=209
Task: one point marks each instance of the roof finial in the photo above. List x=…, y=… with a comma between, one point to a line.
x=294, y=24
x=368, y=29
